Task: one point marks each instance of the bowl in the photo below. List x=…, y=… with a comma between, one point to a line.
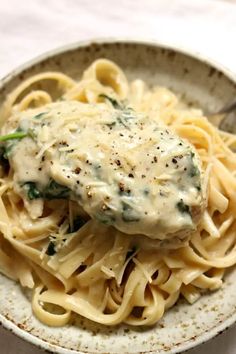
x=202, y=83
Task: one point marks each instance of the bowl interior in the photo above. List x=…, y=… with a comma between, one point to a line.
x=184, y=326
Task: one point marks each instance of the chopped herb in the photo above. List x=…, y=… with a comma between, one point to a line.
x=194, y=171
x=110, y=125
x=39, y=115
x=32, y=191
x=126, y=113
x=105, y=218
x=122, y=122
x=52, y=191
x=128, y=214
x=113, y=101
x=16, y=135
x=51, y=249
x=125, y=116
x=55, y=190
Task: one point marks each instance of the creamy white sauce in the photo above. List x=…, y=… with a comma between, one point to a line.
x=122, y=167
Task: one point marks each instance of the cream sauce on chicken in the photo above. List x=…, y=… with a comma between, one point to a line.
x=124, y=168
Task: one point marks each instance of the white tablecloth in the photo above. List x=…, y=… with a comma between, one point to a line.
x=29, y=28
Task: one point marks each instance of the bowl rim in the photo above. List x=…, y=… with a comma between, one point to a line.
x=168, y=45
x=218, y=329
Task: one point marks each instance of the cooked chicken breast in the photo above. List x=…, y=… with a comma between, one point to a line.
x=124, y=168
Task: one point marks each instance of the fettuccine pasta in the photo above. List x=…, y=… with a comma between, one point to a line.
x=114, y=265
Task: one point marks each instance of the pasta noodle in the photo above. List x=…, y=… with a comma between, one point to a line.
x=98, y=271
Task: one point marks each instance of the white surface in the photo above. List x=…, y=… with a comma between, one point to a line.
x=28, y=28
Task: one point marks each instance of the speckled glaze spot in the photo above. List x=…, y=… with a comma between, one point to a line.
x=200, y=83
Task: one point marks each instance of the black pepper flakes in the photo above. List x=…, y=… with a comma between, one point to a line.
x=63, y=143
x=121, y=187
x=131, y=175
x=118, y=162
x=77, y=170
x=174, y=160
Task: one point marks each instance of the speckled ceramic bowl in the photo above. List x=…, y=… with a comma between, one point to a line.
x=201, y=82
